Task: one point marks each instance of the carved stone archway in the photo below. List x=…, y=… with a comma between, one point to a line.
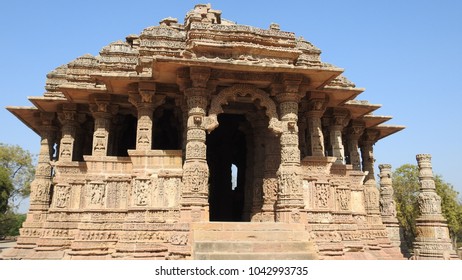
x=230, y=94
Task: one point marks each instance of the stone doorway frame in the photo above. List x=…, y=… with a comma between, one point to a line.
x=274, y=127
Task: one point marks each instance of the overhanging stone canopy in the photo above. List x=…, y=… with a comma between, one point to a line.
x=138, y=143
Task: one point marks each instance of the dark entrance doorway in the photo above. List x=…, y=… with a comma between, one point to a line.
x=227, y=154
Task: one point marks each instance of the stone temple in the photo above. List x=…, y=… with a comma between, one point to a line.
x=138, y=143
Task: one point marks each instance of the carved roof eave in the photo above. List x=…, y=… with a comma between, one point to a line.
x=338, y=96
x=373, y=120
x=28, y=115
x=79, y=94
x=387, y=130
x=319, y=77
x=47, y=104
x=358, y=109
x=116, y=83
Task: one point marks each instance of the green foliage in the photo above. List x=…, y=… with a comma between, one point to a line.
x=10, y=223
x=450, y=206
x=16, y=174
x=406, y=186
x=6, y=188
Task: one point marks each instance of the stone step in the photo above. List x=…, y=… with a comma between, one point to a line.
x=256, y=256
x=252, y=241
x=253, y=246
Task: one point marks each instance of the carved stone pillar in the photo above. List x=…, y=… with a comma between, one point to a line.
x=195, y=169
x=371, y=192
x=388, y=209
x=40, y=188
x=290, y=193
x=102, y=112
x=355, y=131
x=339, y=121
x=316, y=109
x=68, y=118
x=259, y=126
x=432, y=235
x=145, y=102
x=270, y=181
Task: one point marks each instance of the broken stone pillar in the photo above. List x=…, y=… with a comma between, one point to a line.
x=432, y=240
x=388, y=210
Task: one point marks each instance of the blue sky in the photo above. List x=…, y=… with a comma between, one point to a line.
x=407, y=54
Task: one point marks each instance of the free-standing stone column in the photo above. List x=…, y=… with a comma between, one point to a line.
x=290, y=196
x=195, y=169
x=102, y=112
x=316, y=109
x=432, y=235
x=355, y=131
x=387, y=207
x=371, y=192
x=339, y=121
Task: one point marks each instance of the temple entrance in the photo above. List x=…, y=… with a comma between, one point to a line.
x=227, y=158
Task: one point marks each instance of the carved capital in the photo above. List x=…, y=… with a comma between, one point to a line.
x=199, y=76
x=341, y=118
x=356, y=130
x=316, y=107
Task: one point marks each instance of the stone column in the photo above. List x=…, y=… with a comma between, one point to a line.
x=40, y=197
x=432, y=240
x=387, y=207
x=290, y=194
x=339, y=121
x=145, y=102
x=68, y=119
x=259, y=126
x=102, y=112
x=371, y=192
x=316, y=109
x=195, y=169
x=355, y=131
x=272, y=162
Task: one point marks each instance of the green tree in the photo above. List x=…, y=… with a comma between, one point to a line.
x=16, y=174
x=6, y=188
x=406, y=187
